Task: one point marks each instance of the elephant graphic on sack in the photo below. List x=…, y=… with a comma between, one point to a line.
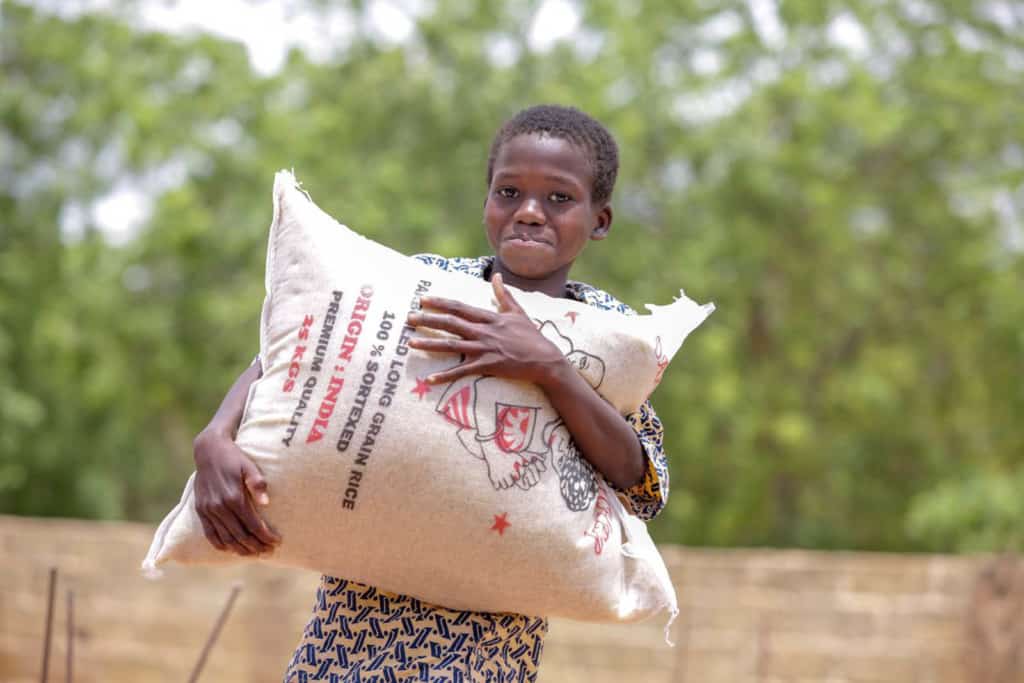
x=518, y=443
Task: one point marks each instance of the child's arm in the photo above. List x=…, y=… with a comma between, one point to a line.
x=228, y=485
x=603, y=437
x=508, y=344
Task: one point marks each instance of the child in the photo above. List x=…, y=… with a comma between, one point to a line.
x=550, y=176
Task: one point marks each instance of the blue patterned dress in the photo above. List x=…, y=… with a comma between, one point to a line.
x=359, y=634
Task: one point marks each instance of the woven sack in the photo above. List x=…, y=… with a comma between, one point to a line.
x=470, y=495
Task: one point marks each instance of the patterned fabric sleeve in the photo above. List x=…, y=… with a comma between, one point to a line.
x=647, y=498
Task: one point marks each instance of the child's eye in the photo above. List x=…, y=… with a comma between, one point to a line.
x=559, y=197
x=508, y=192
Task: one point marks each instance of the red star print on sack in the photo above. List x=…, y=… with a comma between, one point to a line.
x=421, y=388
x=500, y=523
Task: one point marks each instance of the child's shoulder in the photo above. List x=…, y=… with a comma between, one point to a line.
x=598, y=298
x=470, y=265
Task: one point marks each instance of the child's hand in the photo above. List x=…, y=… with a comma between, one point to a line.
x=505, y=343
x=228, y=487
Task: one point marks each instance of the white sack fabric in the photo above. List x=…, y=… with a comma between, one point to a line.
x=469, y=495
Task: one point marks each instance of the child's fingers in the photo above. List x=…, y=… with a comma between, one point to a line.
x=463, y=310
x=451, y=374
x=447, y=345
x=506, y=302
x=255, y=526
x=446, y=322
x=211, y=534
x=500, y=295
x=231, y=533
x=226, y=539
x=237, y=526
x=255, y=483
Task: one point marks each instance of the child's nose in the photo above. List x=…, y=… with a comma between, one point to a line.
x=529, y=211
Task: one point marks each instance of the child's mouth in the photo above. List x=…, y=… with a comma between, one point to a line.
x=524, y=239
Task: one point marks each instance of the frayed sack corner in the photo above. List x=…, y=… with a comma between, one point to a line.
x=672, y=615
x=286, y=178
x=151, y=571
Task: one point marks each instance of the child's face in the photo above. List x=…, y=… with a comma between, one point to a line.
x=539, y=211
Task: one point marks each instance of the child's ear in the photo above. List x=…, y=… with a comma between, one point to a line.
x=602, y=223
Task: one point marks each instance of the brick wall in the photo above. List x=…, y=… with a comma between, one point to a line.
x=766, y=616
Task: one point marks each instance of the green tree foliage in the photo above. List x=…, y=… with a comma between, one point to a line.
x=844, y=179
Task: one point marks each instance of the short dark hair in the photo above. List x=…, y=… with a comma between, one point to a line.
x=571, y=124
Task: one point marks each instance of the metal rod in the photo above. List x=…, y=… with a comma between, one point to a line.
x=212, y=638
x=71, y=637
x=47, y=635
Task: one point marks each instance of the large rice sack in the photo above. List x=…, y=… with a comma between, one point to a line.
x=471, y=495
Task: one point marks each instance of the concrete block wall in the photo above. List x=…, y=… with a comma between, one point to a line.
x=759, y=616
